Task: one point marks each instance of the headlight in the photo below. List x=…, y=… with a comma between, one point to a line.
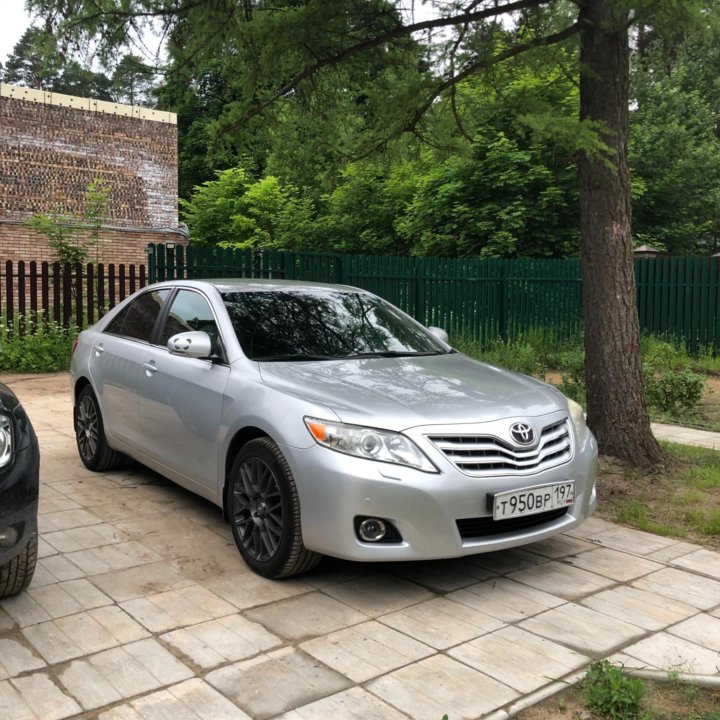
x=577, y=415
x=369, y=443
x=5, y=440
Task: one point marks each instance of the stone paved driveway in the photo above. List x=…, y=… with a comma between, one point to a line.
x=141, y=608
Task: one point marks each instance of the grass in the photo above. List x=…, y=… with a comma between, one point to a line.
x=679, y=500
x=609, y=693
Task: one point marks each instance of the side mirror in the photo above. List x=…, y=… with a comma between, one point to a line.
x=440, y=334
x=194, y=344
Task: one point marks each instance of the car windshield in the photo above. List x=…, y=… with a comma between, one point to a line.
x=323, y=325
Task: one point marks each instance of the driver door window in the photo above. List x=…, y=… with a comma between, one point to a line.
x=191, y=311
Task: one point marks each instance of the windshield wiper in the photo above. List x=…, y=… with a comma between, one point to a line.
x=393, y=354
x=294, y=358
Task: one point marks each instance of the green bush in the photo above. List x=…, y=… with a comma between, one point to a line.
x=611, y=693
x=516, y=355
x=673, y=391
x=35, y=345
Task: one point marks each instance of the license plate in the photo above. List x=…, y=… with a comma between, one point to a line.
x=530, y=501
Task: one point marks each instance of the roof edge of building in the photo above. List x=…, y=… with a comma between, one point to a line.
x=44, y=97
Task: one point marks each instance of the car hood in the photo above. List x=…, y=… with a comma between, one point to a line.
x=399, y=393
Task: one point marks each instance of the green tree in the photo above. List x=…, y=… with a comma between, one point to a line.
x=38, y=60
x=675, y=147
x=72, y=237
x=234, y=211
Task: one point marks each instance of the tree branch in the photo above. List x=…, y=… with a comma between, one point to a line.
x=383, y=38
x=450, y=82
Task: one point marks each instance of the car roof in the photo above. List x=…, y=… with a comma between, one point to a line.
x=232, y=285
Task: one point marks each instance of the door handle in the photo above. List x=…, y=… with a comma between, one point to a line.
x=99, y=350
x=150, y=368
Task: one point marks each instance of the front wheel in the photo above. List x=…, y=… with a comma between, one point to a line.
x=92, y=444
x=264, y=512
x=16, y=574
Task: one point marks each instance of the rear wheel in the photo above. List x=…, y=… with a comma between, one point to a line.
x=16, y=575
x=92, y=444
x=265, y=512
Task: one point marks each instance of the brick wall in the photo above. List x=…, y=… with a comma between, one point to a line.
x=52, y=146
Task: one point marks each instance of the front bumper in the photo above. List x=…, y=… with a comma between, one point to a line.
x=334, y=489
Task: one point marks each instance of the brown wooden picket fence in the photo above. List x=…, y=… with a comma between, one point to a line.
x=68, y=294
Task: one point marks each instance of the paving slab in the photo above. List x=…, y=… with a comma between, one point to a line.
x=614, y=564
x=87, y=632
x=639, y=607
x=439, y=686
x=276, y=682
x=519, y=658
x=42, y=696
x=353, y=704
x=701, y=629
x=225, y=640
x=379, y=594
x=190, y=700
x=177, y=608
x=306, y=616
x=563, y=580
x=367, y=650
x=695, y=590
x=583, y=629
x=703, y=561
x=506, y=599
x=16, y=658
x=670, y=653
x=635, y=542
x=141, y=608
x=441, y=622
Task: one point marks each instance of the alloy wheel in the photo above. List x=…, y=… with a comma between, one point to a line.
x=87, y=427
x=257, y=509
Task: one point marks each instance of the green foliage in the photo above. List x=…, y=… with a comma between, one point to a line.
x=33, y=344
x=610, y=692
x=673, y=391
x=233, y=211
x=515, y=355
x=670, y=385
x=72, y=237
x=675, y=144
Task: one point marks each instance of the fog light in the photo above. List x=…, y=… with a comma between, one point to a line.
x=372, y=530
x=8, y=537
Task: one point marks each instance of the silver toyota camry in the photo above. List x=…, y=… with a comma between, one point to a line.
x=325, y=421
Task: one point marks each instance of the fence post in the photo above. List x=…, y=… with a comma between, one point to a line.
x=288, y=257
x=502, y=304
x=151, y=251
x=419, y=275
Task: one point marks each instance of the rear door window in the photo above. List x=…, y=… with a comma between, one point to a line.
x=138, y=321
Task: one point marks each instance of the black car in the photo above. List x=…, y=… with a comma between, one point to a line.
x=19, y=483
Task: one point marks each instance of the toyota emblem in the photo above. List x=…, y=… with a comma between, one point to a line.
x=522, y=433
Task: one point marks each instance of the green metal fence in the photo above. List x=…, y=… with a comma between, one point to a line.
x=678, y=298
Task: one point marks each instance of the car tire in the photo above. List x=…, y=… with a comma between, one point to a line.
x=16, y=575
x=264, y=510
x=92, y=444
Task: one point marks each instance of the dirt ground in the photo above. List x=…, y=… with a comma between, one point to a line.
x=662, y=701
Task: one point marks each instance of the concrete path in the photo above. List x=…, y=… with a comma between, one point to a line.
x=686, y=435
x=142, y=609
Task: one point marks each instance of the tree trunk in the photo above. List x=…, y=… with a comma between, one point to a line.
x=617, y=412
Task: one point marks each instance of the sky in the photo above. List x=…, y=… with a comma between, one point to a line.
x=14, y=23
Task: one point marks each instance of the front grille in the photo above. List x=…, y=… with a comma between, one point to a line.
x=481, y=455
x=470, y=528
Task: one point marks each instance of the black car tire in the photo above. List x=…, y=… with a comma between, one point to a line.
x=264, y=511
x=92, y=444
x=16, y=574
